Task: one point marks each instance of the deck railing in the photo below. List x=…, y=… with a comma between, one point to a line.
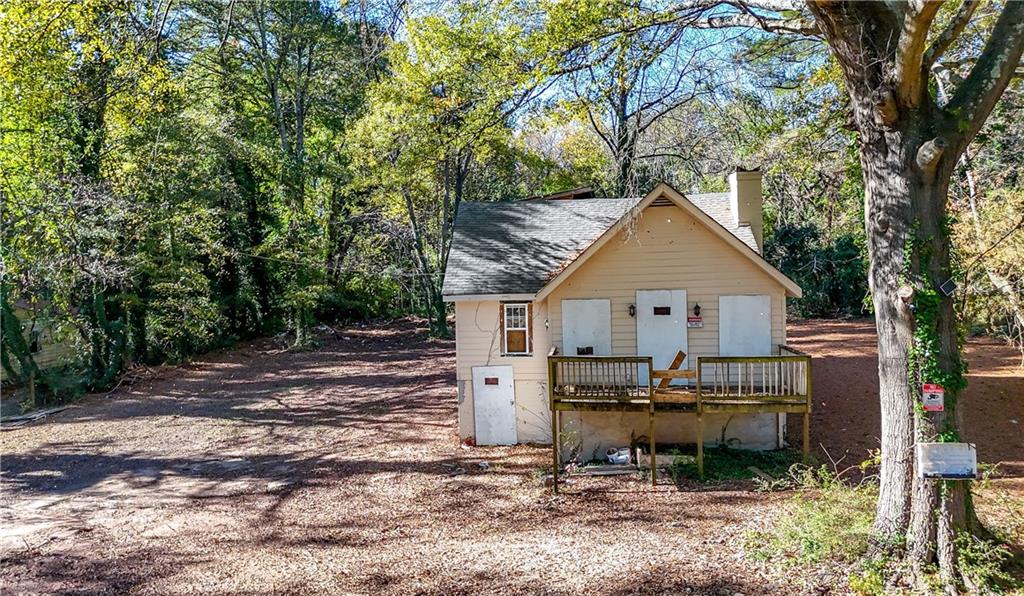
x=600, y=377
x=785, y=376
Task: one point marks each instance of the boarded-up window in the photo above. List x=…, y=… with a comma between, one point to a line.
x=516, y=327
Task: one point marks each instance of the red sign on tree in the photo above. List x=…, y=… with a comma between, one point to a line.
x=933, y=397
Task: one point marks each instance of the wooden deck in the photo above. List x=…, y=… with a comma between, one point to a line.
x=718, y=384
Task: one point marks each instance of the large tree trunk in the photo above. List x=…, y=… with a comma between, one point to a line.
x=908, y=243
x=889, y=223
x=909, y=147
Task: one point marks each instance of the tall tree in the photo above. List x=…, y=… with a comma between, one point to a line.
x=910, y=143
x=910, y=146
x=445, y=109
x=626, y=67
x=293, y=71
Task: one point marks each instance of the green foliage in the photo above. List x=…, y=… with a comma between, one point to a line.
x=182, y=317
x=925, y=359
x=725, y=463
x=175, y=182
x=983, y=562
x=828, y=520
x=831, y=272
x=869, y=577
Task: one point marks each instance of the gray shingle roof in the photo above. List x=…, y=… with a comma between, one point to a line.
x=517, y=247
x=716, y=204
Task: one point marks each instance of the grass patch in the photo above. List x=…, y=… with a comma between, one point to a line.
x=827, y=525
x=724, y=463
x=827, y=520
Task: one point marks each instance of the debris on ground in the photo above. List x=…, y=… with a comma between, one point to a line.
x=12, y=422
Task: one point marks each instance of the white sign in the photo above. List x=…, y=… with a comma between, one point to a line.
x=694, y=322
x=952, y=461
x=933, y=397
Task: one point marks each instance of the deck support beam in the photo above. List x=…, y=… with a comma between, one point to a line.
x=700, y=446
x=654, y=462
x=556, y=456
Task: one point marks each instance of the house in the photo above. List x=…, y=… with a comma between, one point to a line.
x=38, y=326
x=617, y=289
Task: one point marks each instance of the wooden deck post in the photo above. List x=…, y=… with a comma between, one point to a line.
x=650, y=415
x=807, y=413
x=654, y=462
x=700, y=426
x=700, y=446
x=556, y=456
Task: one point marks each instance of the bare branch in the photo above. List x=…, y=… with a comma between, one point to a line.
x=953, y=30
x=977, y=95
x=753, y=21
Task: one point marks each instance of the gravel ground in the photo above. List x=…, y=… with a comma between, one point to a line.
x=258, y=470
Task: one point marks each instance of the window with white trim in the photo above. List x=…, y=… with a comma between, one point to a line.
x=516, y=327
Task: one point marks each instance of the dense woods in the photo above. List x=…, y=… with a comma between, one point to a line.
x=179, y=175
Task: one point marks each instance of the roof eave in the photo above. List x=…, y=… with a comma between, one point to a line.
x=524, y=296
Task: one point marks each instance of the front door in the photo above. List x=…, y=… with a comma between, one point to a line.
x=661, y=328
x=494, y=405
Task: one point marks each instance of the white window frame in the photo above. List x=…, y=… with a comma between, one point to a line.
x=525, y=328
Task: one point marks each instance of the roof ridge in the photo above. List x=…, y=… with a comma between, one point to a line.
x=511, y=247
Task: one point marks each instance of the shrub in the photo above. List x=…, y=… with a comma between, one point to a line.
x=182, y=318
x=828, y=520
x=983, y=562
x=831, y=271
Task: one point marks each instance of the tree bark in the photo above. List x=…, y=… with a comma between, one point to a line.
x=888, y=223
x=909, y=148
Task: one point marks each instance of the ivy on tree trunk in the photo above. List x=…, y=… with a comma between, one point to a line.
x=909, y=146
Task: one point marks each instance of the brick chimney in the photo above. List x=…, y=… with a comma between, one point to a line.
x=745, y=201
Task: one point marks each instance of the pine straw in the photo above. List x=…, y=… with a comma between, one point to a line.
x=256, y=470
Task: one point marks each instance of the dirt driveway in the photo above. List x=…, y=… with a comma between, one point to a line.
x=262, y=471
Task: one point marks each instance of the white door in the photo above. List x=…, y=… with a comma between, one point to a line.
x=494, y=405
x=661, y=328
x=587, y=327
x=745, y=325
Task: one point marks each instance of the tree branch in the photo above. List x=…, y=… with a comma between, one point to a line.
x=953, y=30
x=977, y=95
x=909, y=73
x=772, y=25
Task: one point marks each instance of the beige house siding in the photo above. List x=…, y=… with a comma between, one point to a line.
x=665, y=249
x=478, y=343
